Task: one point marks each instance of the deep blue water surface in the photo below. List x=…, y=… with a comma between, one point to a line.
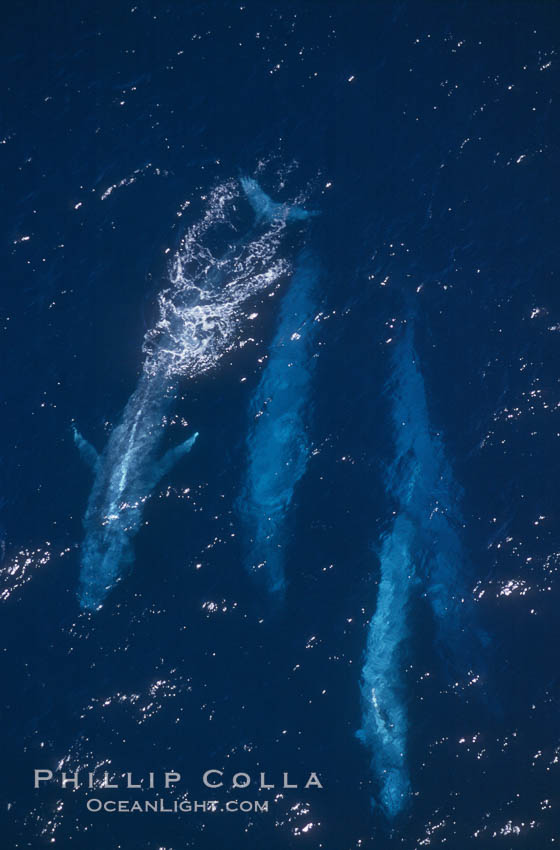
x=426, y=134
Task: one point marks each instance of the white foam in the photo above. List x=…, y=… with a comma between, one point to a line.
x=201, y=309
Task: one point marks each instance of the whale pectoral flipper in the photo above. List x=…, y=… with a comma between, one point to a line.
x=171, y=457
x=87, y=451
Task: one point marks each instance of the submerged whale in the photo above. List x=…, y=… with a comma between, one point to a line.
x=124, y=476
x=421, y=555
x=277, y=442
x=385, y=717
x=200, y=313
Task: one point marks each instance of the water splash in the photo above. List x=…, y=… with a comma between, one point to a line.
x=200, y=312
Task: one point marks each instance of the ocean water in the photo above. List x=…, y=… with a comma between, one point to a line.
x=426, y=137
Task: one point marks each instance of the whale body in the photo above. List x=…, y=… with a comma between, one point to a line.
x=124, y=477
x=421, y=555
x=277, y=441
x=199, y=316
x=385, y=718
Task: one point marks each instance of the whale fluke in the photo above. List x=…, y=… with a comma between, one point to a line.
x=87, y=451
x=266, y=209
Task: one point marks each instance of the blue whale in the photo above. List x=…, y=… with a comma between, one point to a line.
x=421, y=555
x=124, y=476
x=277, y=440
x=385, y=718
x=200, y=314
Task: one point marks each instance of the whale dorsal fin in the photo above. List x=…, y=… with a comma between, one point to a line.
x=87, y=451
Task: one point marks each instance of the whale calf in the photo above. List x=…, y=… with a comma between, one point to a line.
x=200, y=313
